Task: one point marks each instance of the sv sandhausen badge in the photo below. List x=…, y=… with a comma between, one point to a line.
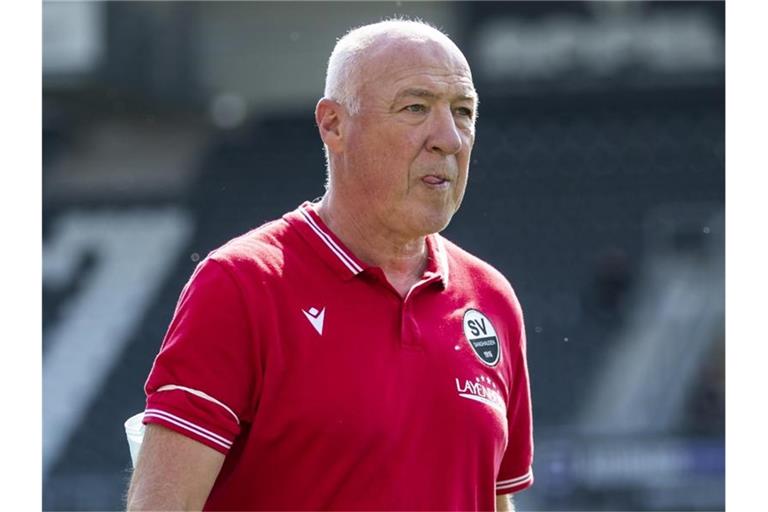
x=482, y=336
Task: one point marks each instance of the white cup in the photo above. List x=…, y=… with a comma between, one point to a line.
x=134, y=431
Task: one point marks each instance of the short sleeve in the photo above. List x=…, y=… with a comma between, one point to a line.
x=516, y=473
x=204, y=378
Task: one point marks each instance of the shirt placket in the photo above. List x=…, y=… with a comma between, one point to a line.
x=410, y=330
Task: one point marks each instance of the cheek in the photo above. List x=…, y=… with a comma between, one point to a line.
x=396, y=158
x=403, y=146
x=464, y=161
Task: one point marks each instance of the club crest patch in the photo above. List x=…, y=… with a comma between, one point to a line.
x=482, y=337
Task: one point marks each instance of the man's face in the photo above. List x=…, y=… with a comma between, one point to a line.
x=406, y=153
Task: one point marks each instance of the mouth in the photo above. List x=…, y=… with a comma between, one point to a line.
x=436, y=181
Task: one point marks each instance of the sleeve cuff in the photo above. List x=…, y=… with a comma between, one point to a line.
x=185, y=427
x=515, y=484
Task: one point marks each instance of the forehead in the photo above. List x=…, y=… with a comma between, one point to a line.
x=417, y=68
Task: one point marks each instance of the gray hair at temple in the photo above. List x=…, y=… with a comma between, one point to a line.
x=342, y=78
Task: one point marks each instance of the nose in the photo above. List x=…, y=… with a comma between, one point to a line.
x=444, y=136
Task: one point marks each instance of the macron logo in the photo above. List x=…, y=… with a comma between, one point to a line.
x=316, y=318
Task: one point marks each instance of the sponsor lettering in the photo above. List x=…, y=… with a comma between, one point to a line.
x=482, y=391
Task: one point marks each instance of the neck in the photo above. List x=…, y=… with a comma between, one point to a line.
x=403, y=259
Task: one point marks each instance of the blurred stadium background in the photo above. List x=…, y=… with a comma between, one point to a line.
x=596, y=186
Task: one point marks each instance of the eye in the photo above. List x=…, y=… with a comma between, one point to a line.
x=464, y=111
x=416, y=108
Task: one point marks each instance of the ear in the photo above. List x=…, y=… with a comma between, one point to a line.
x=329, y=116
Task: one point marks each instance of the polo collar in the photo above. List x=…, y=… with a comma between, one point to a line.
x=333, y=251
x=324, y=242
x=437, y=259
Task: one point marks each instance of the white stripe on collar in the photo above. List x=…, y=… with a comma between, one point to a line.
x=333, y=246
x=442, y=257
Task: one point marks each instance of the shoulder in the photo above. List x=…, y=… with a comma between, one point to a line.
x=258, y=252
x=469, y=272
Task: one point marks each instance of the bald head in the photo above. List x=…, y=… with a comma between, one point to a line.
x=367, y=46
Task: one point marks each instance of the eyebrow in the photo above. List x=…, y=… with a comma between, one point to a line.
x=427, y=94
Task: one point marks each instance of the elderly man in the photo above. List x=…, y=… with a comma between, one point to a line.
x=346, y=356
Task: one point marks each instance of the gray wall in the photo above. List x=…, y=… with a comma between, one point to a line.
x=274, y=55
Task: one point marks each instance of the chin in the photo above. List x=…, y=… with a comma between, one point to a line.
x=434, y=222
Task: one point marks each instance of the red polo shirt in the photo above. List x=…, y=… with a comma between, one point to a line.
x=327, y=390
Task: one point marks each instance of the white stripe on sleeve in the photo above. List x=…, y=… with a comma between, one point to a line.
x=513, y=482
x=188, y=425
x=198, y=393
